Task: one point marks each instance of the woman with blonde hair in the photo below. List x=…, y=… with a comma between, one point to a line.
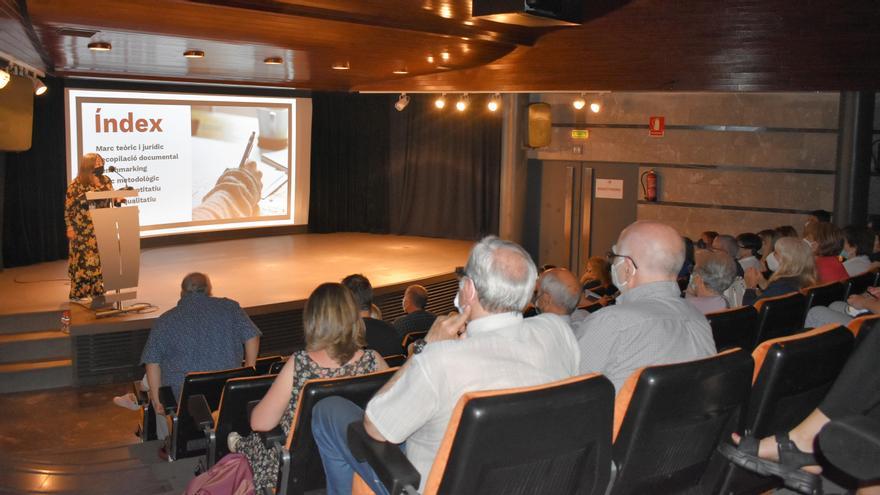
x=334, y=333
x=597, y=277
x=84, y=264
x=796, y=270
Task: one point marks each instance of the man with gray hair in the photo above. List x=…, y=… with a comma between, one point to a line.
x=558, y=292
x=487, y=346
x=714, y=273
x=650, y=324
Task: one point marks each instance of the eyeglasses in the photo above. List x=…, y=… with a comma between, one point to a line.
x=611, y=255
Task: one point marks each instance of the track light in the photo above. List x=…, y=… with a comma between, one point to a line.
x=340, y=66
x=595, y=107
x=194, y=54
x=273, y=61
x=579, y=103
x=4, y=77
x=39, y=87
x=440, y=102
x=494, y=102
x=462, y=103
x=100, y=46
x=402, y=102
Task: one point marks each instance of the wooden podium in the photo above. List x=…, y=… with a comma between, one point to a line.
x=117, y=230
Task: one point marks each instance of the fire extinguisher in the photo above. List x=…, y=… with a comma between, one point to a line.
x=649, y=185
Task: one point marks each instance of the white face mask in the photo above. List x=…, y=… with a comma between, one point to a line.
x=456, y=303
x=615, y=278
x=772, y=262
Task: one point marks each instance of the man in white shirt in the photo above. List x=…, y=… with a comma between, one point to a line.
x=858, y=244
x=558, y=292
x=487, y=346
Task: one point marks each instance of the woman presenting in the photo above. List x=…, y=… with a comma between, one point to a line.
x=84, y=265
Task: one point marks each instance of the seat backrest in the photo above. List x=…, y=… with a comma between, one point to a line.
x=410, y=338
x=553, y=438
x=780, y=316
x=792, y=376
x=306, y=470
x=856, y=324
x=276, y=367
x=669, y=420
x=870, y=325
x=860, y=283
x=190, y=441
x=264, y=364
x=823, y=295
x=395, y=360
x=233, y=415
x=736, y=327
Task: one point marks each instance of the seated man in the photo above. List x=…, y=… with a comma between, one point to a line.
x=201, y=333
x=487, y=346
x=380, y=336
x=558, y=292
x=417, y=318
x=714, y=273
x=650, y=324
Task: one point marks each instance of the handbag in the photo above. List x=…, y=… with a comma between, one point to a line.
x=231, y=476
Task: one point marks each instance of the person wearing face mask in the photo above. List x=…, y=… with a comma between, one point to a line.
x=826, y=241
x=558, y=293
x=416, y=317
x=749, y=248
x=650, y=324
x=796, y=270
x=858, y=243
x=83, y=261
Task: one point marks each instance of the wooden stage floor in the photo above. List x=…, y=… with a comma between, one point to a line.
x=255, y=272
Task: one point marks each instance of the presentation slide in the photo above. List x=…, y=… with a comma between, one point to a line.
x=199, y=162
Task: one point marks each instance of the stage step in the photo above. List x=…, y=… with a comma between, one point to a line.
x=35, y=375
x=30, y=322
x=34, y=346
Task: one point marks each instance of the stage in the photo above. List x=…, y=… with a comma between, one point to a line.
x=271, y=277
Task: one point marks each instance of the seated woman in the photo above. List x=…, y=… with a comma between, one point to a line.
x=796, y=270
x=334, y=334
x=714, y=273
x=826, y=241
x=749, y=251
x=596, y=281
x=838, y=312
x=858, y=243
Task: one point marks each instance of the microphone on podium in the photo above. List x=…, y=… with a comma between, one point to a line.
x=112, y=169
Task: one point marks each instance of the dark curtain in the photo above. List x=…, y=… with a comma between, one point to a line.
x=445, y=169
x=350, y=166
x=35, y=185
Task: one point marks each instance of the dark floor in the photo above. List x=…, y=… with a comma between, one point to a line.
x=65, y=419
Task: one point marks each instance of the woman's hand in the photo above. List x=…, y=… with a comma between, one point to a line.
x=70, y=233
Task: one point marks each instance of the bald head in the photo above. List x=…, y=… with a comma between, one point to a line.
x=558, y=292
x=656, y=249
x=195, y=283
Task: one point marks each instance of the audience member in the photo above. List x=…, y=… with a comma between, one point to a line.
x=714, y=273
x=841, y=312
x=858, y=243
x=786, y=231
x=749, y=251
x=689, y=259
x=650, y=324
x=334, y=333
x=417, y=318
x=596, y=280
x=826, y=241
x=487, y=346
x=201, y=333
x=816, y=216
x=796, y=270
x=380, y=336
x=559, y=293
x=706, y=239
x=727, y=243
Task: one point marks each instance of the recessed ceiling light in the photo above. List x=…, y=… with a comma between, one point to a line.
x=468, y=23
x=401, y=71
x=445, y=56
x=341, y=66
x=194, y=54
x=430, y=59
x=100, y=46
x=273, y=61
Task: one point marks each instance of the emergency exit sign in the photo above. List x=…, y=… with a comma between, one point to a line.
x=580, y=134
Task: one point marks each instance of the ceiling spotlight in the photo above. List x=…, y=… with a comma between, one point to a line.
x=273, y=61
x=400, y=71
x=440, y=102
x=430, y=59
x=39, y=87
x=100, y=46
x=194, y=54
x=341, y=66
x=445, y=56
x=402, y=102
x=462, y=103
x=595, y=107
x=4, y=77
x=579, y=103
x=494, y=102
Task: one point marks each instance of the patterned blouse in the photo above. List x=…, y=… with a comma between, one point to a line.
x=84, y=264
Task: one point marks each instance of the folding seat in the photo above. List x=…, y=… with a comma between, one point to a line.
x=780, y=316
x=239, y=397
x=863, y=322
x=669, y=419
x=277, y=366
x=823, y=295
x=410, y=338
x=300, y=468
x=860, y=283
x=792, y=376
x=395, y=360
x=552, y=438
x=264, y=364
x=736, y=327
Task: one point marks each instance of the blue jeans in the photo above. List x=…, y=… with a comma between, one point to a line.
x=330, y=420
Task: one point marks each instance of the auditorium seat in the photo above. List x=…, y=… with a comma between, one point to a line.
x=395, y=360
x=857, y=324
x=792, y=375
x=552, y=438
x=239, y=396
x=780, y=316
x=860, y=283
x=277, y=366
x=264, y=364
x=410, y=338
x=669, y=419
x=187, y=440
x=823, y=295
x=735, y=327
x=299, y=462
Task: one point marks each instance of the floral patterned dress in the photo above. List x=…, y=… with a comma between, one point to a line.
x=84, y=265
x=264, y=462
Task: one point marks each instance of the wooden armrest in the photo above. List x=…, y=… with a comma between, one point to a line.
x=387, y=460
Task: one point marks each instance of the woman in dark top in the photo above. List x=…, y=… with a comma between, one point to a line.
x=796, y=271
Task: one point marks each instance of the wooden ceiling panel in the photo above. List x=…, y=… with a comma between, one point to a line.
x=15, y=36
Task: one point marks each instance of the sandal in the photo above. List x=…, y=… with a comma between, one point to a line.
x=791, y=459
